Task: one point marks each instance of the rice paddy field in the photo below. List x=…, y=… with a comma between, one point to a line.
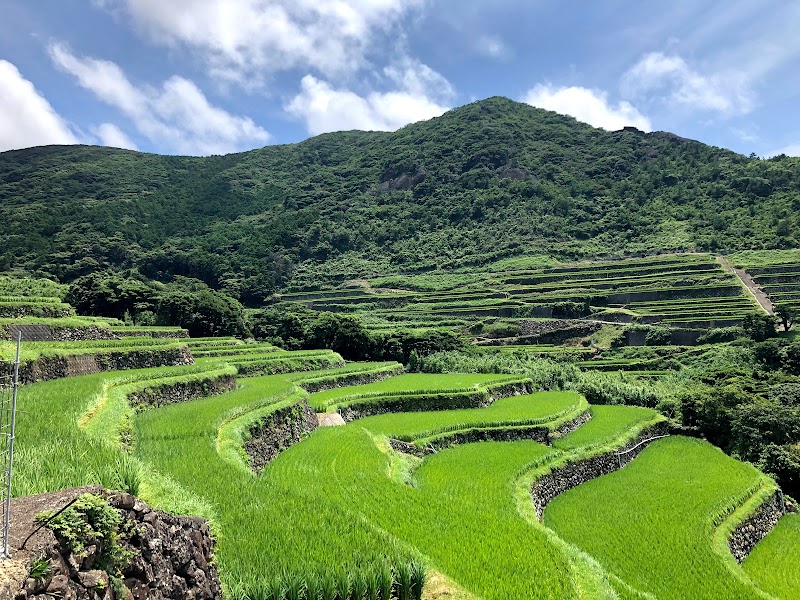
x=777, y=273
x=660, y=511
x=341, y=505
x=684, y=290
x=773, y=562
x=338, y=513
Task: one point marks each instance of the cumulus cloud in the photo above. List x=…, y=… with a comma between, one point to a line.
x=671, y=79
x=324, y=108
x=26, y=117
x=111, y=135
x=790, y=150
x=419, y=93
x=243, y=39
x=589, y=106
x=177, y=115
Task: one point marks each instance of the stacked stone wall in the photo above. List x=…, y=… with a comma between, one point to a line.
x=540, y=434
x=753, y=529
x=45, y=368
x=349, y=379
x=170, y=557
x=572, y=474
x=182, y=391
x=278, y=431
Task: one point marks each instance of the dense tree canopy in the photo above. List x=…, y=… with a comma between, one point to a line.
x=185, y=302
x=485, y=181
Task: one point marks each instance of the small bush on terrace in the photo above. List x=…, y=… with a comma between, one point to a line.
x=92, y=520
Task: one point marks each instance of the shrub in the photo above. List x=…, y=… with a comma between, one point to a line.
x=759, y=327
x=720, y=334
x=91, y=520
x=602, y=388
x=658, y=336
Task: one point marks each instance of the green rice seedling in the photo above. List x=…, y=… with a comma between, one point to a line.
x=313, y=586
x=276, y=588
x=404, y=580
x=358, y=589
x=385, y=580
x=236, y=590
x=130, y=475
x=343, y=585
x=372, y=580
x=295, y=588
x=327, y=585
x=417, y=576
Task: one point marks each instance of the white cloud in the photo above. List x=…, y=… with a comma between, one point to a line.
x=243, y=39
x=790, y=150
x=492, y=46
x=418, y=79
x=671, y=79
x=324, y=108
x=111, y=135
x=177, y=115
x=589, y=106
x=26, y=117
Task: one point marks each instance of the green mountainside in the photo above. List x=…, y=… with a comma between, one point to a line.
x=486, y=181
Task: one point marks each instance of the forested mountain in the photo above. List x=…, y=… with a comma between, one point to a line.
x=489, y=180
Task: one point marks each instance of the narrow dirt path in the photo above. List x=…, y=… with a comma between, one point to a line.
x=752, y=287
x=330, y=420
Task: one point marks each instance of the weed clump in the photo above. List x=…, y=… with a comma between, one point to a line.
x=91, y=521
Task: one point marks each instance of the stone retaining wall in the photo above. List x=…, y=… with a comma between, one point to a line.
x=171, y=556
x=555, y=331
x=182, y=391
x=167, y=334
x=443, y=401
x=54, y=333
x=349, y=379
x=278, y=431
x=46, y=311
x=45, y=368
x=537, y=433
x=753, y=529
x=572, y=474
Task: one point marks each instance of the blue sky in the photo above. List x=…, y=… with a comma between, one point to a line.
x=215, y=76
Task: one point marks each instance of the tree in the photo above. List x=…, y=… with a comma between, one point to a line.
x=786, y=314
x=759, y=327
x=784, y=463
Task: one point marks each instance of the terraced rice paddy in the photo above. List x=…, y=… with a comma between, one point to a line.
x=773, y=564
x=776, y=272
x=342, y=502
x=660, y=511
x=689, y=291
x=340, y=509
